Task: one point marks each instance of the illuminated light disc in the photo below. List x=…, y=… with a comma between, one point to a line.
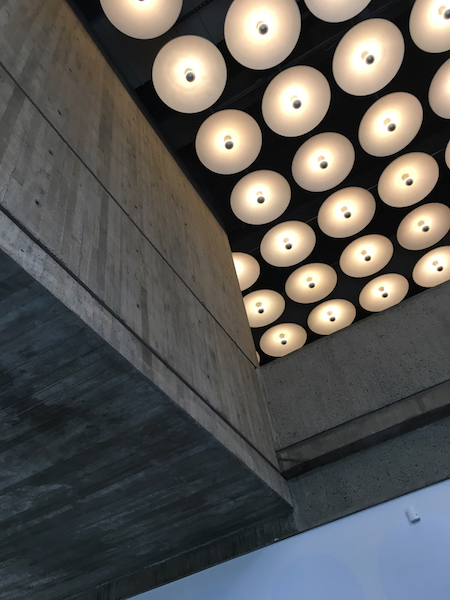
x=408, y=179
x=288, y=243
x=433, y=268
x=247, y=269
x=297, y=84
x=260, y=35
x=429, y=29
x=332, y=149
x=336, y=11
x=346, y=212
x=383, y=292
x=283, y=339
x=447, y=155
x=311, y=283
x=368, y=57
x=439, y=94
x=424, y=226
x=263, y=307
x=142, y=19
x=260, y=197
x=390, y=124
x=366, y=256
x=189, y=74
x=331, y=316
x=221, y=129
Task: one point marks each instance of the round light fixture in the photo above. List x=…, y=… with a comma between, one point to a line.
x=368, y=57
x=142, y=19
x=323, y=162
x=260, y=197
x=390, y=124
x=311, y=283
x=260, y=35
x=439, y=94
x=383, y=292
x=424, y=226
x=447, y=155
x=283, y=339
x=366, y=256
x=433, y=268
x=296, y=101
x=263, y=307
x=429, y=25
x=346, y=212
x=331, y=316
x=408, y=179
x=288, y=243
x=336, y=11
x=247, y=269
x=189, y=74
x=228, y=141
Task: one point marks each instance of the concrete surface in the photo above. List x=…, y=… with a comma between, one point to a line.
x=375, y=362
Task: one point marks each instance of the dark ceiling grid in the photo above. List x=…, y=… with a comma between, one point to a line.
x=244, y=91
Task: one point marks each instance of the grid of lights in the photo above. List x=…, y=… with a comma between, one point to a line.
x=190, y=75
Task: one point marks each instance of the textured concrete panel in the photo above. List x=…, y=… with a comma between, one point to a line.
x=86, y=178
x=377, y=361
x=102, y=475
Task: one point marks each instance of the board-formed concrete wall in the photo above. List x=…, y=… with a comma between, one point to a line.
x=96, y=209
x=375, y=363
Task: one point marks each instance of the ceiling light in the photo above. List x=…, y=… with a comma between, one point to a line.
x=260, y=35
x=288, y=243
x=439, y=95
x=228, y=141
x=323, y=162
x=408, y=179
x=296, y=101
x=424, y=226
x=383, y=292
x=368, y=57
x=189, y=74
x=142, y=19
x=260, y=197
x=311, y=283
x=336, y=11
x=366, y=255
x=331, y=316
x=433, y=268
x=263, y=307
x=429, y=25
x=283, y=339
x=390, y=124
x=346, y=212
x=247, y=269
x=447, y=155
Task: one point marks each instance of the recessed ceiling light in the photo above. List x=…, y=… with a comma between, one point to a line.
x=263, y=307
x=439, y=95
x=228, y=142
x=383, y=292
x=368, y=57
x=311, y=283
x=296, y=101
x=433, y=268
x=260, y=35
x=189, y=74
x=331, y=316
x=390, y=124
x=142, y=19
x=247, y=269
x=288, y=243
x=336, y=11
x=429, y=25
x=366, y=255
x=260, y=197
x=283, y=339
x=323, y=162
x=408, y=179
x=424, y=226
x=346, y=212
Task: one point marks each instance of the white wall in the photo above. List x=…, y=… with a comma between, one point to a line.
x=376, y=554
